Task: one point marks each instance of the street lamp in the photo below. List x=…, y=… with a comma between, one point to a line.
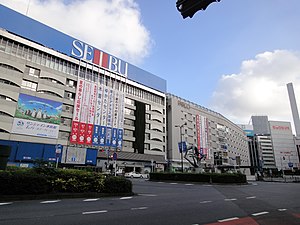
x=180, y=130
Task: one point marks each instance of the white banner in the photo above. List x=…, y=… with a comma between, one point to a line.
x=35, y=128
x=99, y=105
x=104, y=107
x=110, y=108
x=116, y=109
x=121, y=110
x=85, y=102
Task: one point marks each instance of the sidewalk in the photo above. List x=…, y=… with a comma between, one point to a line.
x=285, y=179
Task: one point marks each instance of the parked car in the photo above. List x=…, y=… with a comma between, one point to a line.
x=134, y=174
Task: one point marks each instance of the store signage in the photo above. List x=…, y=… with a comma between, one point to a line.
x=96, y=56
x=183, y=104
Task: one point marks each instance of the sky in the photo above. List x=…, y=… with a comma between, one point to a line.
x=235, y=58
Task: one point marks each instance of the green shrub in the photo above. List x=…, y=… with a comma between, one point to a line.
x=23, y=183
x=117, y=185
x=48, y=180
x=200, y=177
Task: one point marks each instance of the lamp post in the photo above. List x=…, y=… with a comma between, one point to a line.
x=180, y=131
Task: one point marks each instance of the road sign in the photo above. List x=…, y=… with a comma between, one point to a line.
x=115, y=156
x=290, y=164
x=58, y=148
x=182, y=146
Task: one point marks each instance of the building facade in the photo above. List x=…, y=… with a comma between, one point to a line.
x=222, y=142
x=276, y=145
x=285, y=152
x=65, y=99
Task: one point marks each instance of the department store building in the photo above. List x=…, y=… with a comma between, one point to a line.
x=64, y=99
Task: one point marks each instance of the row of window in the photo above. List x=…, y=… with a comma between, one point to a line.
x=55, y=63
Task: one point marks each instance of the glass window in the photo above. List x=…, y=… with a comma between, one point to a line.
x=29, y=85
x=2, y=44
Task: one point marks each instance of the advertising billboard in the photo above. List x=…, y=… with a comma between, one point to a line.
x=37, y=117
x=98, y=115
x=202, y=134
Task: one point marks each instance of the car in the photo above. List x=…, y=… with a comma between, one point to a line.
x=134, y=174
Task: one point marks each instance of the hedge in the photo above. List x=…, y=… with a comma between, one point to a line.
x=49, y=180
x=200, y=177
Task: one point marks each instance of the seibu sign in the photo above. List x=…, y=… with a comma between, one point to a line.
x=96, y=56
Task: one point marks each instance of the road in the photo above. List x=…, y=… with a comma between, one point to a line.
x=167, y=203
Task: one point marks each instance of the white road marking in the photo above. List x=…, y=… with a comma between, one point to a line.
x=91, y=200
x=140, y=208
x=49, y=202
x=230, y=199
x=147, y=195
x=251, y=197
x=5, y=203
x=94, y=212
x=254, y=184
x=203, y=202
x=189, y=184
x=282, y=210
x=173, y=183
x=125, y=198
x=160, y=182
x=228, y=219
x=260, y=213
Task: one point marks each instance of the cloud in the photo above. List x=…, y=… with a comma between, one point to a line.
x=259, y=88
x=114, y=26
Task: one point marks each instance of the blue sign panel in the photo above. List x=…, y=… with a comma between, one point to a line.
x=182, y=146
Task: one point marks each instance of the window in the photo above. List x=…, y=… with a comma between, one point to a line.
x=70, y=83
x=33, y=71
x=29, y=85
x=69, y=95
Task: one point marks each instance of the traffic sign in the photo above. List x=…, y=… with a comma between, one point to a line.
x=115, y=156
x=290, y=164
x=182, y=146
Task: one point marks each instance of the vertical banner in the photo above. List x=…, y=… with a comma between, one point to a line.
x=109, y=118
x=202, y=130
x=103, y=120
x=120, y=120
x=198, y=132
x=84, y=113
x=91, y=114
x=77, y=110
x=98, y=112
x=115, y=119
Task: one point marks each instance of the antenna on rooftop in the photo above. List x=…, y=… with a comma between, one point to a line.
x=28, y=7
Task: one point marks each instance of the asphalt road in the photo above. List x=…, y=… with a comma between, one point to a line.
x=167, y=203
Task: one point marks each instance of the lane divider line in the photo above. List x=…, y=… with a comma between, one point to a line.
x=230, y=199
x=259, y=214
x=91, y=200
x=282, y=210
x=228, y=219
x=125, y=198
x=140, y=208
x=49, y=202
x=94, y=212
x=251, y=197
x=5, y=203
x=203, y=202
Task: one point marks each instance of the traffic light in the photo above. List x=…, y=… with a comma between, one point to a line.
x=188, y=8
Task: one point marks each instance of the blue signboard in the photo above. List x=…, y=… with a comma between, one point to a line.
x=182, y=145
